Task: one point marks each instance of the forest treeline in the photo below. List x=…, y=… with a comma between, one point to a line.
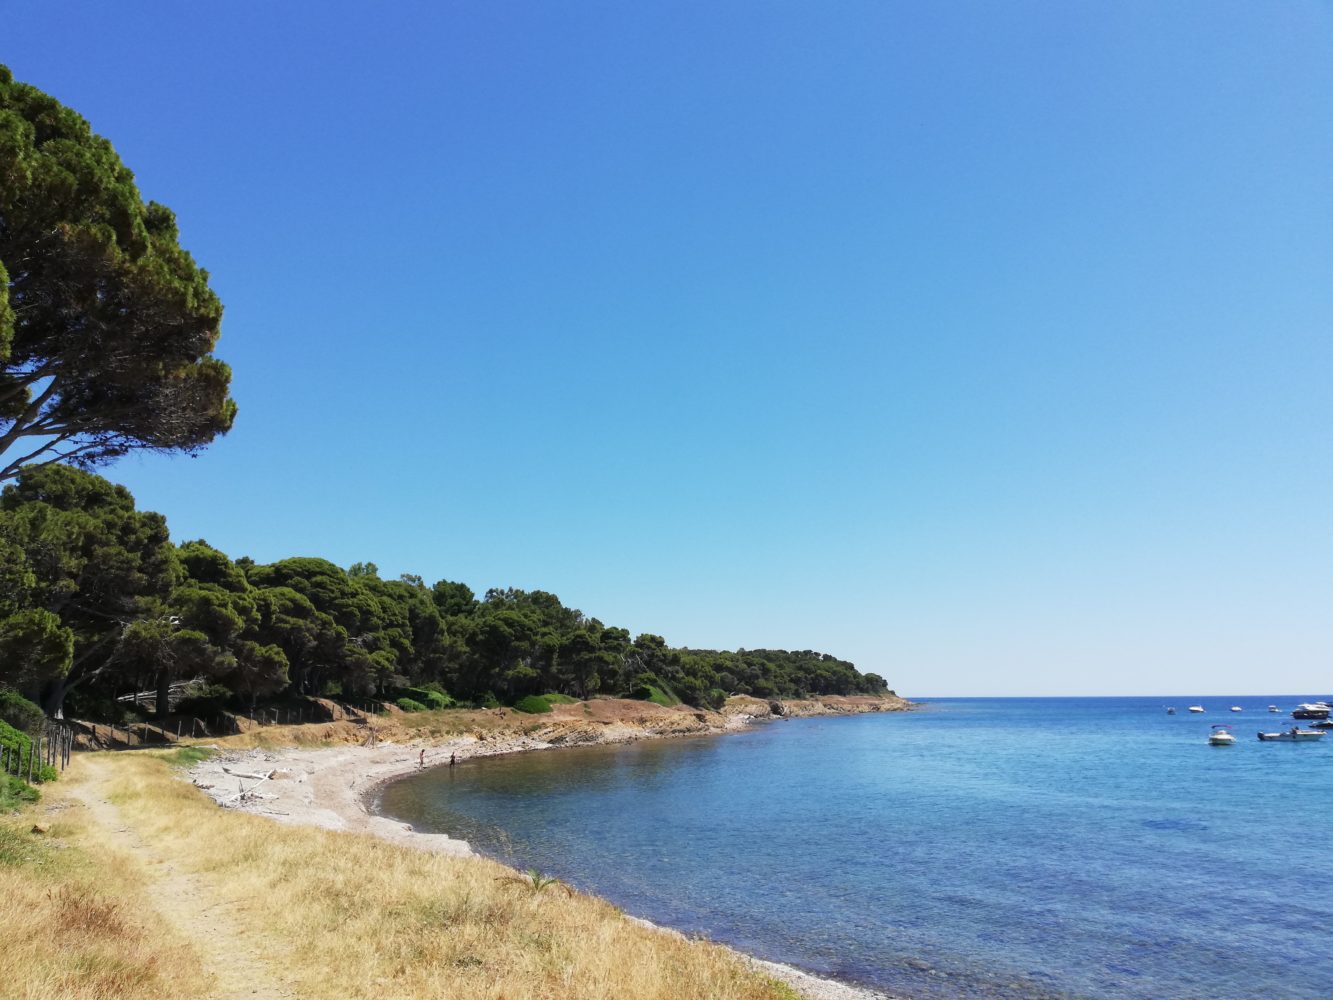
x=97, y=601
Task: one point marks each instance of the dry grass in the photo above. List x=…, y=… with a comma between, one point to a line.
x=75, y=923
x=343, y=915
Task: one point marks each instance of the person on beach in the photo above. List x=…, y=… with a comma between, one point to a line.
x=453, y=759
x=421, y=761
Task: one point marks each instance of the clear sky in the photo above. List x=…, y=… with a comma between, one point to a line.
x=989, y=345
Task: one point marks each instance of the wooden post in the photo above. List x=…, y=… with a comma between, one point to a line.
x=30, y=749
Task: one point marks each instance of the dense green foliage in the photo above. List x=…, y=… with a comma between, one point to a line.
x=107, y=326
x=20, y=713
x=21, y=744
x=95, y=601
x=532, y=704
x=14, y=793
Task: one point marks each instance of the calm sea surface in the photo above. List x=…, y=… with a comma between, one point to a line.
x=995, y=848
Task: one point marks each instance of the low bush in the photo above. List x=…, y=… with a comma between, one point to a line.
x=431, y=696
x=20, y=713
x=653, y=693
x=560, y=699
x=15, y=793
x=19, y=743
x=532, y=704
x=410, y=705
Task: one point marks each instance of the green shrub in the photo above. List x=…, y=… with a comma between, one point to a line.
x=560, y=699
x=20, y=713
x=19, y=743
x=409, y=705
x=532, y=704
x=15, y=793
x=204, y=699
x=651, y=692
x=431, y=696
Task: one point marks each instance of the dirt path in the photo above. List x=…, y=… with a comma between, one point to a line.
x=186, y=902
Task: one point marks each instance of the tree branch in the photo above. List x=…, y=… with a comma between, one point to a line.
x=33, y=411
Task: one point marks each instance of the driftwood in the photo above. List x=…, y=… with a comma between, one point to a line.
x=246, y=793
x=244, y=774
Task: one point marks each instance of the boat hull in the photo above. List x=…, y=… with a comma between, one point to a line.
x=1300, y=736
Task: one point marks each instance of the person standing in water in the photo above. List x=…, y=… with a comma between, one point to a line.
x=453, y=759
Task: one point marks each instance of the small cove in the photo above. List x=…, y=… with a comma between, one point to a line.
x=1005, y=847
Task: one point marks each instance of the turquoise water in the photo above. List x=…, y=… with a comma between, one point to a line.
x=996, y=848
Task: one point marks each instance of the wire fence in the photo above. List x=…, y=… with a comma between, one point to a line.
x=125, y=735
x=51, y=747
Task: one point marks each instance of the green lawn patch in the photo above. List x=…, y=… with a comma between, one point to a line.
x=187, y=756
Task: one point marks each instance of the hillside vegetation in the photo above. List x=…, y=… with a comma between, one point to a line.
x=96, y=601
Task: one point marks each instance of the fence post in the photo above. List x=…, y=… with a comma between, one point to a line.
x=30, y=749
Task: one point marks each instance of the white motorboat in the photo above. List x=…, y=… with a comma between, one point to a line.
x=1293, y=735
x=1274, y=709
x=1170, y=711
x=1221, y=736
x=1196, y=708
x=1236, y=708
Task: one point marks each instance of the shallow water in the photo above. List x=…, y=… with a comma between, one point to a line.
x=999, y=847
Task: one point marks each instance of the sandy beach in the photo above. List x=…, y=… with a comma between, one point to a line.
x=333, y=787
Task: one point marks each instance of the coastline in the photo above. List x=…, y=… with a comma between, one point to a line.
x=334, y=787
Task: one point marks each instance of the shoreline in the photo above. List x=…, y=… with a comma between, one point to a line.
x=335, y=788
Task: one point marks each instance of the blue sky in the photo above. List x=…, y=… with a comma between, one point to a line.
x=987, y=345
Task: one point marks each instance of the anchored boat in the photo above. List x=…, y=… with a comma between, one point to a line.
x=1221, y=736
x=1312, y=710
x=1293, y=735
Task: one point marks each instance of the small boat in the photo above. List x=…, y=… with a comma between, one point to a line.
x=1293, y=735
x=1237, y=708
x=1273, y=708
x=1170, y=711
x=1196, y=708
x=1221, y=736
x=1322, y=724
x=1315, y=710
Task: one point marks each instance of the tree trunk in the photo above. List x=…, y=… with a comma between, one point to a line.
x=163, y=694
x=51, y=696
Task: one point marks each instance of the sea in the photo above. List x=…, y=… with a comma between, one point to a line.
x=1006, y=848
